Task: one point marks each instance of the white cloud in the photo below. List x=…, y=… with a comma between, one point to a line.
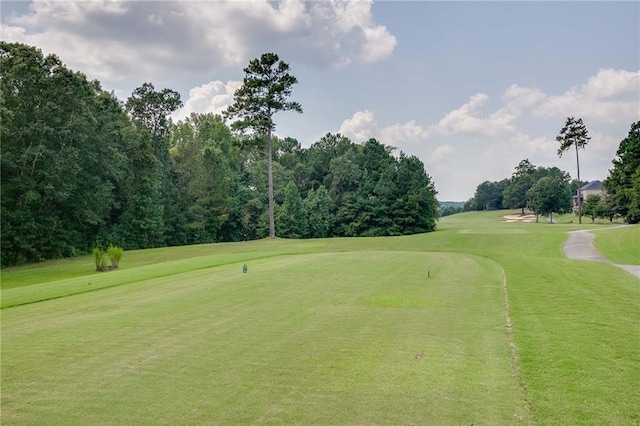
x=467, y=119
x=519, y=146
x=403, y=134
x=378, y=45
x=613, y=84
x=114, y=40
x=367, y=41
x=440, y=152
x=213, y=97
x=362, y=126
x=602, y=144
x=60, y=14
x=517, y=98
x=608, y=96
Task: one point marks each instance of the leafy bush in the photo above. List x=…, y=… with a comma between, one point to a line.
x=101, y=260
x=115, y=254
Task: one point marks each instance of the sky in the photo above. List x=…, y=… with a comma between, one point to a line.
x=470, y=88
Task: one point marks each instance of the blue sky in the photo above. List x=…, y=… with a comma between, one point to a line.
x=471, y=88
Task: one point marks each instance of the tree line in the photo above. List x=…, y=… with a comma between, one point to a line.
x=81, y=169
x=518, y=191
x=549, y=190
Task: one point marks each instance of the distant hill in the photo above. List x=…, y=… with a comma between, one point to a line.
x=455, y=204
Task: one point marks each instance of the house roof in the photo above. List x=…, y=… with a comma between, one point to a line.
x=593, y=185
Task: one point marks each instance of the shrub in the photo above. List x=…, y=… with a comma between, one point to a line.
x=115, y=254
x=99, y=257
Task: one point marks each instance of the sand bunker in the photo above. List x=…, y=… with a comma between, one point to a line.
x=520, y=218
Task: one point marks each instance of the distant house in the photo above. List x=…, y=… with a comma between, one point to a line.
x=592, y=188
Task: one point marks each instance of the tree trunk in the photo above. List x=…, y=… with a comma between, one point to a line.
x=579, y=185
x=272, y=223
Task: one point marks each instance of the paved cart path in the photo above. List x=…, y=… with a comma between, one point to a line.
x=580, y=246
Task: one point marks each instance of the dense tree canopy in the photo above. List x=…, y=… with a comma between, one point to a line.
x=514, y=192
x=62, y=156
x=489, y=195
x=81, y=169
x=623, y=182
x=549, y=195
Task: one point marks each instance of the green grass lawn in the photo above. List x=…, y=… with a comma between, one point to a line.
x=620, y=245
x=334, y=331
x=586, y=220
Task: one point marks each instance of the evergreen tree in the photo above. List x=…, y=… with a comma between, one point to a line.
x=265, y=89
x=291, y=219
x=623, y=183
x=574, y=134
x=416, y=209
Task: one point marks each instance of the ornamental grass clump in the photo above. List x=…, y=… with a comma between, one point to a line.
x=115, y=254
x=100, y=259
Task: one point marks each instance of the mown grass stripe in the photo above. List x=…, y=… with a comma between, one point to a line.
x=298, y=339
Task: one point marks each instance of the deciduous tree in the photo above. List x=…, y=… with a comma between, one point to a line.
x=515, y=194
x=150, y=110
x=549, y=195
x=488, y=196
x=320, y=154
x=318, y=205
x=593, y=207
x=208, y=173
x=62, y=150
